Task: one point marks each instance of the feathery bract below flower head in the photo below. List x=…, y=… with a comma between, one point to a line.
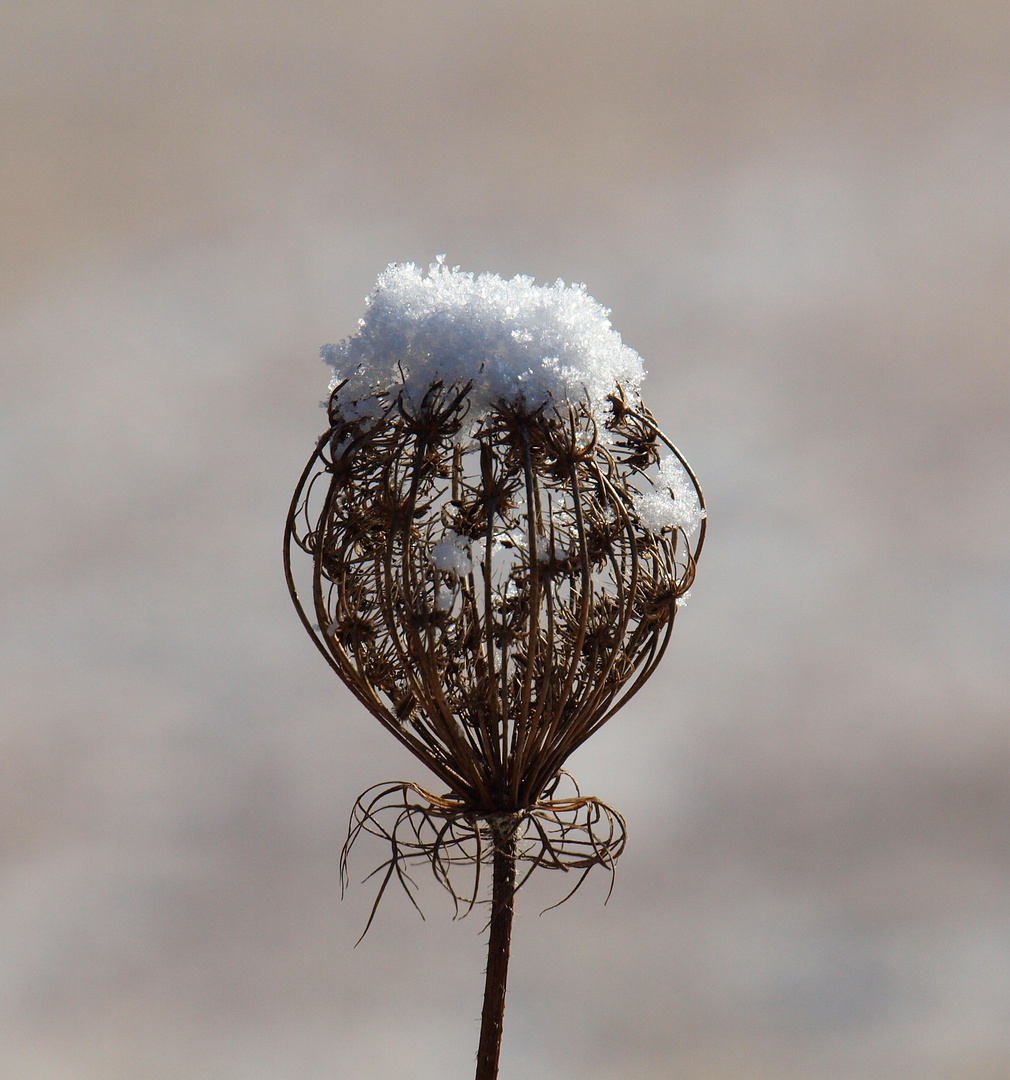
x=513, y=341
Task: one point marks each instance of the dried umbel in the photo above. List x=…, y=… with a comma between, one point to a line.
x=493, y=577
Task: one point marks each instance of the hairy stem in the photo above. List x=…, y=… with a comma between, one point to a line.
x=502, y=906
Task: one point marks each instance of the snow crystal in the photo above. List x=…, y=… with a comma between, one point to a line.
x=673, y=503
x=444, y=599
x=452, y=554
x=513, y=340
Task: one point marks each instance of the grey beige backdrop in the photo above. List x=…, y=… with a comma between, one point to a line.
x=800, y=214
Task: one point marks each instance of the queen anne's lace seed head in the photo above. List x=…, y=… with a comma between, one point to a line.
x=497, y=537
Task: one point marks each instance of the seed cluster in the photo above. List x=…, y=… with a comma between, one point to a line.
x=487, y=591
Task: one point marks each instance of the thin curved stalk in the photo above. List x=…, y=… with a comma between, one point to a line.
x=498, y=946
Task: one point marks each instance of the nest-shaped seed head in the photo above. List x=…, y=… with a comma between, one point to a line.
x=494, y=591
x=489, y=545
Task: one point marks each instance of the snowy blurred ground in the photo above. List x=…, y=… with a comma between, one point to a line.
x=799, y=213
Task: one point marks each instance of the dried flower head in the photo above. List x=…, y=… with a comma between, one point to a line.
x=495, y=536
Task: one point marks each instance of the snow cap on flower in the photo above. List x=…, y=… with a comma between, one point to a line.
x=513, y=340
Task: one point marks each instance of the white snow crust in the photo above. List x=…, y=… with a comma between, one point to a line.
x=452, y=554
x=673, y=503
x=515, y=341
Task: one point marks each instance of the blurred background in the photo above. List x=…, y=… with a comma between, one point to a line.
x=799, y=214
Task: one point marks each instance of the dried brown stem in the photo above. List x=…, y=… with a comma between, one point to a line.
x=499, y=942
